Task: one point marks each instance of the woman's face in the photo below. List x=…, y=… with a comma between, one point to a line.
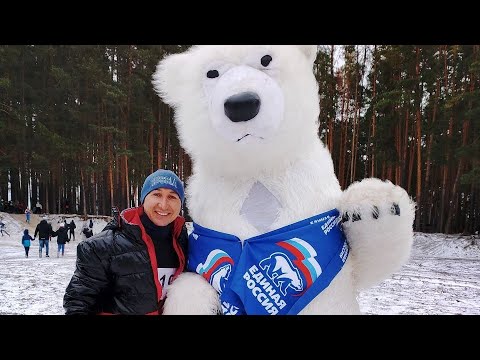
x=162, y=206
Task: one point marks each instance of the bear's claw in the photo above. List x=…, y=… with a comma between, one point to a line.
x=394, y=210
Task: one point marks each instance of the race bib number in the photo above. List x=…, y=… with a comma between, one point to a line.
x=165, y=276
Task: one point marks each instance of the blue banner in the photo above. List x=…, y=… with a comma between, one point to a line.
x=278, y=272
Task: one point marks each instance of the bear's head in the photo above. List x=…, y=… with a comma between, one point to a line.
x=242, y=108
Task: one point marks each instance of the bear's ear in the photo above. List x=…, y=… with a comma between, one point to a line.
x=168, y=77
x=310, y=51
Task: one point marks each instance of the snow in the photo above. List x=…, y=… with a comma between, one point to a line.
x=441, y=278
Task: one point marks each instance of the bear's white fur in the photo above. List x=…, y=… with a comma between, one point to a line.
x=251, y=177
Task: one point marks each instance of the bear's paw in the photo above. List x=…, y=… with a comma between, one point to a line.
x=191, y=294
x=377, y=219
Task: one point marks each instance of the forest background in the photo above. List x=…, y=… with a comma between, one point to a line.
x=81, y=126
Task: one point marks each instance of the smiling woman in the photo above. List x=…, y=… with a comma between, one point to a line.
x=162, y=206
x=143, y=254
x=162, y=197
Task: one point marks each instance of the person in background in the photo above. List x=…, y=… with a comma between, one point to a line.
x=127, y=268
x=27, y=215
x=2, y=228
x=44, y=231
x=71, y=230
x=26, y=238
x=62, y=239
x=87, y=232
x=90, y=225
x=38, y=208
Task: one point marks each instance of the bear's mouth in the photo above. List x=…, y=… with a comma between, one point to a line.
x=246, y=135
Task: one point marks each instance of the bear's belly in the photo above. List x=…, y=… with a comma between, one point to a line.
x=260, y=208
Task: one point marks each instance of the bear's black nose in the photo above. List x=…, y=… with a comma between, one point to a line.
x=242, y=107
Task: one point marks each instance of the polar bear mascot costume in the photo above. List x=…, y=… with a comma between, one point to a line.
x=273, y=232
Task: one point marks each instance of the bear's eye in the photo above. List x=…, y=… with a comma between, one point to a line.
x=211, y=74
x=267, y=59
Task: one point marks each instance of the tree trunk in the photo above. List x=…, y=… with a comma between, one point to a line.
x=110, y=169
x=446, y=169
x=405, y=150
x=374, y=112
x=428, y=202
x=418, y=127
x=461, y=162
x=127, y=182
x=161, y=136
x=398, y=138
x=411, y=159
x=150, y=142
x=84, y=199
x=331, y=121
x=341, y=155
x=354, y=146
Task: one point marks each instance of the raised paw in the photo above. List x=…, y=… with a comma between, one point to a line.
x=377, y=219
x=374, y=199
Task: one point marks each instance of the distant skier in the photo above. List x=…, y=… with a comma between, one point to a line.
x=2, y=228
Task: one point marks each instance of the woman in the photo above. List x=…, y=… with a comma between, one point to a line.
x=62, y=239
x=126, y=268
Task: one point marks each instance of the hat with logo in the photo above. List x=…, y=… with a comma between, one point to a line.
x=162, y=179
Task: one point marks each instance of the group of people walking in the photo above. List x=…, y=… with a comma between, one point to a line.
x=45, y=233
x=64, y=234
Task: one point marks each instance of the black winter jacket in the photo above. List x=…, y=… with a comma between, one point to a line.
x=116, y=269
x=61, y=234
x=44, y=230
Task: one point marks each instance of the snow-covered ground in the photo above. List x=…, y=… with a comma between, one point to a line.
x=442, y=276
